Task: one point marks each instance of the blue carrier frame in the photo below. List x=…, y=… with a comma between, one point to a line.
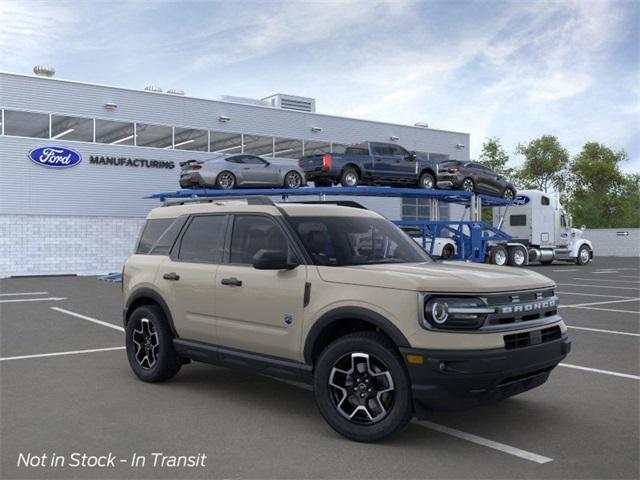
x=472, y=237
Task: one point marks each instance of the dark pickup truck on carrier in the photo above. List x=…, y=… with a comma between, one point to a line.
x=370, y=163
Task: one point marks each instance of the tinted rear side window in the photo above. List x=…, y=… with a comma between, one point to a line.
x=356, y=151
x=151, y=232
x=518, y=220
x=168, y=238
x=203, y=241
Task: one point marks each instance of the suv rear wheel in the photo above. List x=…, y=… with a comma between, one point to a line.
x=149, y=344
x=362, y=388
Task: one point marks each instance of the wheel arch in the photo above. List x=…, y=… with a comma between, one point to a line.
x=430, y=171
x=342, y=320
x=147, y=296
x=354, y=166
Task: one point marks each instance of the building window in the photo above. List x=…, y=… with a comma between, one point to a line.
x=71, y=128
x=114, y=133
x=190, y=139
x=315, y=148
x=157, y=136
x=287, y=148
x=225, y=142
x=26, y=124
x=258, y=145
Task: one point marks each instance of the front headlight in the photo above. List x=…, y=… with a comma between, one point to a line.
x=455, y=312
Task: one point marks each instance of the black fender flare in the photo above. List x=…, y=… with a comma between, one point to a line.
x=146, y=292
x=351, y=313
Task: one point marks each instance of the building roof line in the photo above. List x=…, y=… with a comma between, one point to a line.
x=165, y=95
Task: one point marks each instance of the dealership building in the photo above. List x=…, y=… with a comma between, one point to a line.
x=85, y=219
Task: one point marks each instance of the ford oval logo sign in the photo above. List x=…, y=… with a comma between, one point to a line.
x=55, y=157
x=521, y=200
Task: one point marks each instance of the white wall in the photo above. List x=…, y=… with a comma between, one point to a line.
x=608, y=242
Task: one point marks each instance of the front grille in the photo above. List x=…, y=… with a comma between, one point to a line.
x=535, y=337
x=522, y=306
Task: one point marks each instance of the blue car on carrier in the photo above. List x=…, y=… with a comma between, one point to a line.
x=371, y=163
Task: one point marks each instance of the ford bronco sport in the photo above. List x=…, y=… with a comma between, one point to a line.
x=337, y=297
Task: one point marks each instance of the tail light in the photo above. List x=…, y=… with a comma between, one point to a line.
x=299, y=162
x=196, y=167
x=454, y=170
x=326, y=161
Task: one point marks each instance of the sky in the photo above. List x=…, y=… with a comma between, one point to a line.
x=509, y=69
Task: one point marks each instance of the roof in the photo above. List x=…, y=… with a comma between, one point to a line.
x=240, y=206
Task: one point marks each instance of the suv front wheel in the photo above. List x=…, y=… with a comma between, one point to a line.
x=149, y=344
x=362, y=388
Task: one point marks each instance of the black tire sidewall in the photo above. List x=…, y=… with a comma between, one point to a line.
x=421, y=181
x=511, y=256
x=579, y=257
x=473, y=185
x=218, y=180
x=168, y=362
x=344, y=174
x=292, y=172
x=494, y=250
x=448, y=248
x=378, y=346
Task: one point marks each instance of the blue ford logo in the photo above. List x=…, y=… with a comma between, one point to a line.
x=521, y=200
x=55, y=157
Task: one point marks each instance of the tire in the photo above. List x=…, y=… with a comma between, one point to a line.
x=448, y=251
x=160, y=362
x=517, y=256
x=427, y=181
x=468, y=185
x=499, y=255
x=508, y=194
x=349, y=177
x=293, y=180
x=382, y=413
x=226, y=180
x=584, y=255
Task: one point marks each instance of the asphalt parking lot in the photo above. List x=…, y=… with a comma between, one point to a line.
x=66, y=387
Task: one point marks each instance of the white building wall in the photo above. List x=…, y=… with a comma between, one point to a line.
x=613, y=241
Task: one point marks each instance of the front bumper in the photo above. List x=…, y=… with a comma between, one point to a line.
x=458, y=379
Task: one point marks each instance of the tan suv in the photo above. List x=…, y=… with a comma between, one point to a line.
x=340, y=298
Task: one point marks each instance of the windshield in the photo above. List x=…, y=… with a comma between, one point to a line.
x=346, y=241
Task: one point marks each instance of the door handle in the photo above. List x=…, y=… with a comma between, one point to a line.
x=171, y=276
x=233, y=282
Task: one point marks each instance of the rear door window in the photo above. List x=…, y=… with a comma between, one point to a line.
x=203, y=240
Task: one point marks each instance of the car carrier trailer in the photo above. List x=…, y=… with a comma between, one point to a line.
x=471, y=238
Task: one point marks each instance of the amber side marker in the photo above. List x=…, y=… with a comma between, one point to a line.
x=415, y=359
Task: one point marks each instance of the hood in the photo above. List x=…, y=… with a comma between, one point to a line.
x=442, y=277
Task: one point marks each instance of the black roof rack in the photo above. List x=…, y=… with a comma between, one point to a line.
x=341, y=203
x=251, y=200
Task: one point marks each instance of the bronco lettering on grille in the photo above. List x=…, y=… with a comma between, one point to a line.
x=528, y=307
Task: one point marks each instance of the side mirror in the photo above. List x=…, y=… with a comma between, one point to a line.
x=273, y=260
x=412, y=156
x=583, y=228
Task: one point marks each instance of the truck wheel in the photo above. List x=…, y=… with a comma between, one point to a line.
x=149, y=345
x=448, y=251
x=499, y=255
x=362, y=388
x=584, y=255
x=427, y=181
x=349, y=178
x=517, y=256
x=468, y=185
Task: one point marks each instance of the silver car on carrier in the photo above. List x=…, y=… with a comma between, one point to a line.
x=241, y=170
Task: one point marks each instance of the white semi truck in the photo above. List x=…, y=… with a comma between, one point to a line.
x=541, y=231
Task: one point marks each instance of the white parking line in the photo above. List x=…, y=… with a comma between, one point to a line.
x=592, y=295
x=567, y=270
x=470, y=437
x=609, y=310
x=628, y=276
x=517, y=452
x=599, y=303
x=614, y=287
x=47, y=299
x=597, y=370
x=604, y=272
x=605, y=280
x=57, y=354
x=599, y=330
x=23, y=293
x=88, y=319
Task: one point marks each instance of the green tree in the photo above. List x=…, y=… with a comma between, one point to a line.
x=494, y=156
x=545, y=164
x=600, y=195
